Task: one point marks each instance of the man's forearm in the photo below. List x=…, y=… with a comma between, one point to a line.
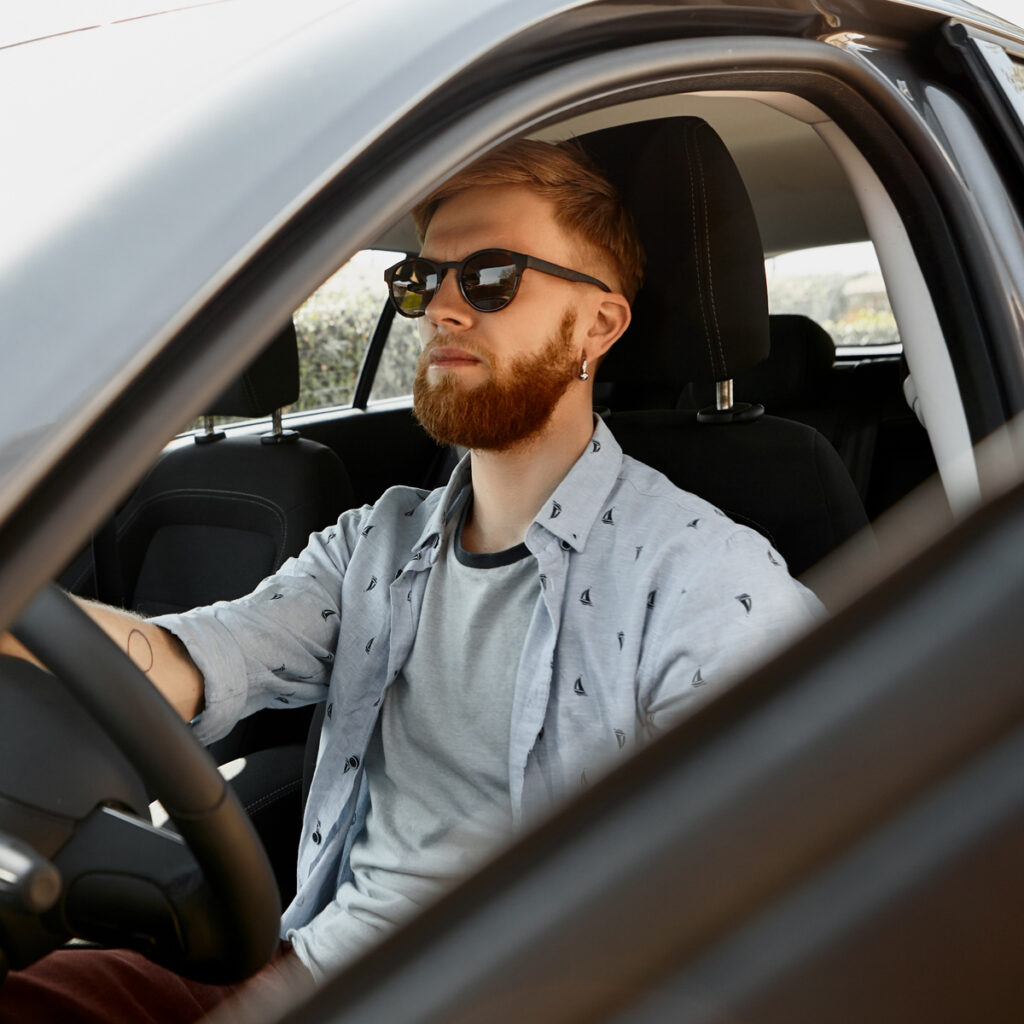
x=159, y=654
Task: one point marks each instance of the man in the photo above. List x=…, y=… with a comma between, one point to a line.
x=487, y=649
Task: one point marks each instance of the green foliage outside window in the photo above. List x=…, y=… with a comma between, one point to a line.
x=334, y=327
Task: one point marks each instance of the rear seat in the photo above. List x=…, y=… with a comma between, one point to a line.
x=858, y=406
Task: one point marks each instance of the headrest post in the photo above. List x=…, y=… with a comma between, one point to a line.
x=278, y=435
x=209, y=434
x=726, y=410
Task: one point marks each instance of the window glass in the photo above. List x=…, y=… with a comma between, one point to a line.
x=397, y=368
x=335, y=325
x=839, y=287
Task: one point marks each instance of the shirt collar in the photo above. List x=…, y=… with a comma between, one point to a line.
x=579, y=500
x=569, y=514
x=446, y=510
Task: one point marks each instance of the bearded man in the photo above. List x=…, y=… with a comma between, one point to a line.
x=486, y=649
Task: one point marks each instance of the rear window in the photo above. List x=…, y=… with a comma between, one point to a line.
x=839, y=287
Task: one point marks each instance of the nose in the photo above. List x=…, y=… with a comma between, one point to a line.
x=448, y=308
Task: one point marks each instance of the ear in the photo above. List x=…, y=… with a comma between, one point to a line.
x=610, y=320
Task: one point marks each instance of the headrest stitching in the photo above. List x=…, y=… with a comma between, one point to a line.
x=690, y=164
x=710, y=276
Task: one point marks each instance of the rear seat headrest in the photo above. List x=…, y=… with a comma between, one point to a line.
x=702, y=313
x=799, y=367
x=271, y=381
x=795, y=375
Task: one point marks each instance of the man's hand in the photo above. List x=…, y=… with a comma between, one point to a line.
x=157, y=653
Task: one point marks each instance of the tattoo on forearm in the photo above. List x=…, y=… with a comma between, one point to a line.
x=140, y=650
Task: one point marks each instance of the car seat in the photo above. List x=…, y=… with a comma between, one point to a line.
x=800, y=381
x=214, y=517
x=701, y=317
x=211, y=519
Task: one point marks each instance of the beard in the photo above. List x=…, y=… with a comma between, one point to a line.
x=513, y=405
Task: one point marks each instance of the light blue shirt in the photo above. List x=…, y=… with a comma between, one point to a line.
x=649, y=596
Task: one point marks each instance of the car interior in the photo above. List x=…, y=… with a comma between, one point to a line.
x=758, y=412
x=810, y=449
x=779, y=186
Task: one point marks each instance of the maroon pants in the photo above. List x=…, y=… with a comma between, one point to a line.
x=116, y=986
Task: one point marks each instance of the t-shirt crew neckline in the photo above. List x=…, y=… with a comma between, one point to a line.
x=487, y=559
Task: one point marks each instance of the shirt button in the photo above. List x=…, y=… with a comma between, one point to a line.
x=353, y=761
x=565, y=545
x=317, y=838
x=330, y=710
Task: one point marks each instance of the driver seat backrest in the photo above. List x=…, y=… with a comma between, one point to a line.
x=701, y=318
x=219, y=513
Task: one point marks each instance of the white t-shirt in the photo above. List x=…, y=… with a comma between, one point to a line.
x=438, y=763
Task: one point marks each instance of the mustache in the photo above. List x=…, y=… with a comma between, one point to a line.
x=446, y=341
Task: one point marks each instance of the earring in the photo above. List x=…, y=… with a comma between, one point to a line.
x=583, y=371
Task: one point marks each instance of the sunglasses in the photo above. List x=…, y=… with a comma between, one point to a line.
x=488, y=279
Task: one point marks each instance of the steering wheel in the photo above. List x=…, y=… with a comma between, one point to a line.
x=123, y=882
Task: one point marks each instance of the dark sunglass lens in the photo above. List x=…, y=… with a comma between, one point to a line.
x=489, y=281
x=413, y=285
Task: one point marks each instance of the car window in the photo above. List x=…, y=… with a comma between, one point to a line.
x=335, y=325
x=397, y=368
x=838, y=286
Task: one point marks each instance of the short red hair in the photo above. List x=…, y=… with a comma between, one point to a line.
x=585, y=202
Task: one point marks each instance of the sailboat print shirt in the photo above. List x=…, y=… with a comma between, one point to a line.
x=648, y=597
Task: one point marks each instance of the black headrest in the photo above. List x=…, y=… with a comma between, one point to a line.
x=800, y=364
x=797, y=374
x=271, y=381
x=702, y=313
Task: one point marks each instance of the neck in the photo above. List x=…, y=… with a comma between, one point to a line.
x=510, y=487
